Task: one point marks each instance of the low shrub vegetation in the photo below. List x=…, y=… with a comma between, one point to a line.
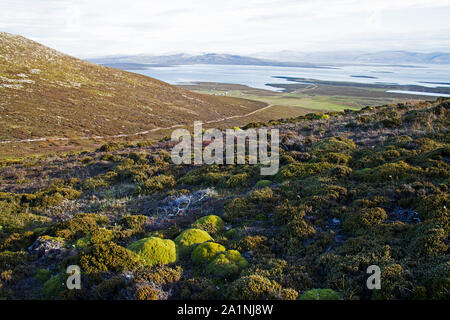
x=354, y=189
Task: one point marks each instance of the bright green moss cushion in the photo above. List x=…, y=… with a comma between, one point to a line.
x=206, y=251
x=227, y=264
x=319, y=294
x=188, y=238
x=263, y=184
x=155, y=251
x=211, y=224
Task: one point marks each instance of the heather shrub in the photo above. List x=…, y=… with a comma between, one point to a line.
x=319, y=294
x=263, y=198
x=340, y=172
x=138, y=172
x=160, y=275
x=256, y=244
x=199, y=288
x=363, y=219
x=109, y=147
x=254, y=287
x=433, y=206
x=16, y=241
x=212, y=175
x=108, y=256
x=168, y=233
x=392, y=122
x=54, y=195
x=11, y=259
x=302, y=170
x=97, y=236
x=157, y=184
x=239, y=208
x=334, y=144
x=388, y=172
x=94, y=183
x=435, y=279
x=289, y=275
x=286, y=159
x=79, y=226
x=395, y=284
x=429, y=239
x=110, y=289
x=135, y=222
x=148, y=293
x=296, y=231
x=238, y=180
x=334, y=157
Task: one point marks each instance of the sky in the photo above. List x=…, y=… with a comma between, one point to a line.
x=93, y=28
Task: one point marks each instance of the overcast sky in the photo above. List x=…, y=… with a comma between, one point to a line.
x=88, y=28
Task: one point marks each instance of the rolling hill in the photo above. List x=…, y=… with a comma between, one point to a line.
x=47, y=94
x=360, y=57
x=142, y=61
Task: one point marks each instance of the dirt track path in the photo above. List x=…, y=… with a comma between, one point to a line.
x=132, y=134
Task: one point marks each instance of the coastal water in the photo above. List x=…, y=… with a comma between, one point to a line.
x=260, y=76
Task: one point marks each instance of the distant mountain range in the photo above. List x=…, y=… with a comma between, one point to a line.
x=139, y=61
x=282, y=59
x=385, y=57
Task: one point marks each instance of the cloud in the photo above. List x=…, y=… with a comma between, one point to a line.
x=100, y=27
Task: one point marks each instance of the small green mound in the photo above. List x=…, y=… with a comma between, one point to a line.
x=211, y=224
x=54, y=287
x=227, y=264
x=42, y=275
x=83, y=242
x=207, y=251
x=302, y=170
x=262, y=183
x=319, y=294
x=334, y=144
x=98, y=236
x=388, y=172
x=155, y=251
x=238, y=180
x=188, y=238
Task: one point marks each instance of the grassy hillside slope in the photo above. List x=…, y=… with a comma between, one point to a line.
x=45, y=93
